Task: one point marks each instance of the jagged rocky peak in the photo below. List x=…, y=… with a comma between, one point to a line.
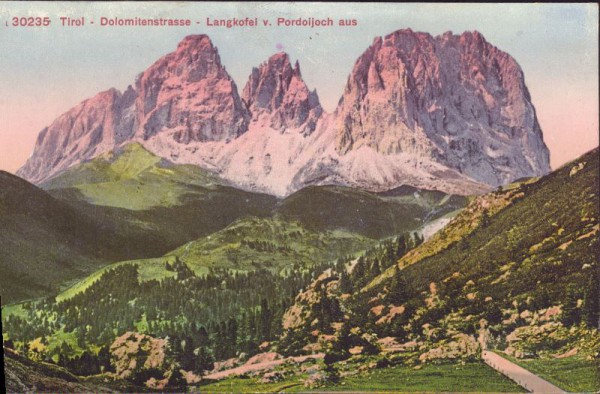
x=194, y=59
x=455, y=100
x=87, y=130
x=186, y=95
x=277, y=89
x=190, y=94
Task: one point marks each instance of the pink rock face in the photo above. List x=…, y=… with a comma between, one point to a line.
x=190, y=92
x=87, y=130
x=457, y=100
x=277, y=89
x=449, y=113
x=187, y=92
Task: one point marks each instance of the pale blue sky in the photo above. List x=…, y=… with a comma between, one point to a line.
x=46, y=71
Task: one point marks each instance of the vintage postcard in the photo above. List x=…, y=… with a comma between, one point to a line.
x=299, y=197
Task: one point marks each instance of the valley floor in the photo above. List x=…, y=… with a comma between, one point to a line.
x=470, y=377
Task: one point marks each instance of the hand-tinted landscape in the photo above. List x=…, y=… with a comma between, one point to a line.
x=184, y=235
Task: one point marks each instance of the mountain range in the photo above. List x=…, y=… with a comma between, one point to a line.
x=449, y=113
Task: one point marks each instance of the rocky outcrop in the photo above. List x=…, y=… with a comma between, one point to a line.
x=460, y=346
x=132, y=353
x=306, y=310
x=278, y=91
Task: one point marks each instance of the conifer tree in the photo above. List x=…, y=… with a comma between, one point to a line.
x=345, y=283
x=571, y=314
x=397, y=293
x=591, y=302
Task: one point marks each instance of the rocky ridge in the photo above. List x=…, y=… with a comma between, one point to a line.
x=277, y=90
x=450, y=113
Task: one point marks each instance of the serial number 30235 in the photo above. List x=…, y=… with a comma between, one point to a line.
x=31, y=21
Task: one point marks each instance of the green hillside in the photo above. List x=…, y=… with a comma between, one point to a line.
x=246, y=245
x=48, y=240
x=137, y=180
x=233, y=285
x=375, y=215
x=130, y=204
x=134, y=178
x=125, y=205
x=536, y=238
x=272, y=244
x=516, y=271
